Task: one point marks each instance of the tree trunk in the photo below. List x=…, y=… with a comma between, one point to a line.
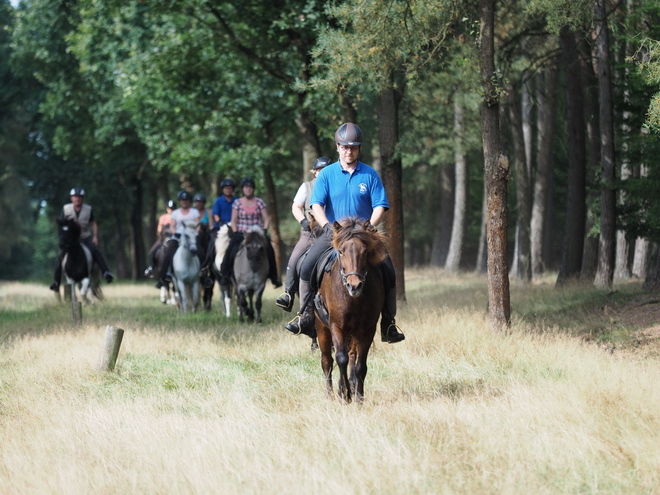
x=274, y=228
x=640, y=259
x=497, y=172
x=311, y=148
x=573, y=246
x=590, y=253
x=522, y=267
x=137, y=228
x=445, y=218
x=606, y=241
x=348, y=109
x=482, y=253
x=461, y=191
x=546, y=84
x=388, y=138
x=652, y=282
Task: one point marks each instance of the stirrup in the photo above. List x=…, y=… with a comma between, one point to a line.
x=297, y=321
x=398, y=334
x=285, y=301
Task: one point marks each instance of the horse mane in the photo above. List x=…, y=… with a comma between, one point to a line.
x=352, y=227
x=255, y=232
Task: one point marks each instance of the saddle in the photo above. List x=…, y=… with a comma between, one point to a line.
x=323, y=265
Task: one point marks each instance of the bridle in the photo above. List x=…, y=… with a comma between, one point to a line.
x=344, y=275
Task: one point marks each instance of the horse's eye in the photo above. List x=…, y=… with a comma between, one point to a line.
x=341, y=253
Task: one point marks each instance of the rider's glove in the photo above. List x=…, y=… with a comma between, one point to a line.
x=328, y=230
x=304, y=223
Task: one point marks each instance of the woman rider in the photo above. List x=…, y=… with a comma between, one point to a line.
x=248, y=211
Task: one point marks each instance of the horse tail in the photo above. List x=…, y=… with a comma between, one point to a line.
x=97, y=291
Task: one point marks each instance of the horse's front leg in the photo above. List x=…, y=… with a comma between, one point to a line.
x=226, y=295
x=258, y=305
x=250, y=306
x=84, y=289
x=342, y=358
x=325, y=346
x=195, y=295
x=242, y=303
x=359, y=371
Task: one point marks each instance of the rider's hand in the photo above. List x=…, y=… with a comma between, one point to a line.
x=328, y=230
x=304, y=223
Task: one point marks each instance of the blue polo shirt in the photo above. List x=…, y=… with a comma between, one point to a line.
x=222, y=208
x=346, y=195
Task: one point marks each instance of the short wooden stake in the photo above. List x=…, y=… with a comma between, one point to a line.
x=113, y=336
x=76, y=313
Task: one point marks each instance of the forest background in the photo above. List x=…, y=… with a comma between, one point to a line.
x=135, y=100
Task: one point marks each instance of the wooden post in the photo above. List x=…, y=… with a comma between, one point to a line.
x=76, y=307
x=113, y=336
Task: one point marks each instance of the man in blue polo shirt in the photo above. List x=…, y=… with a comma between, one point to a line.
x=222, y=208
x=343, y=189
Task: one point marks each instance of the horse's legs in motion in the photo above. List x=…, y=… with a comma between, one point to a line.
x=341, y=356
x=225, y=293
x=359, y=370
x=242, y=303
x=325, y=345
x=258, y=304
x=249, y=306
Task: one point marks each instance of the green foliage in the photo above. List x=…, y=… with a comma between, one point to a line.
x=377, y=38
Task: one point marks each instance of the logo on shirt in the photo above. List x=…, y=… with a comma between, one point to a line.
x=363, y=188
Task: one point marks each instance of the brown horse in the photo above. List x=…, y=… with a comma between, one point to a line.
x=353, y=295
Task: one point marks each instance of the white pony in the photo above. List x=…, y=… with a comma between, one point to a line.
x=221, y=244
x=185, y=269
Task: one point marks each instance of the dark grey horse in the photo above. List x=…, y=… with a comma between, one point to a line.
x=250, y=273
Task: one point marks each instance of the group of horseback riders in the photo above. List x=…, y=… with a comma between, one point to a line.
x=340, y=189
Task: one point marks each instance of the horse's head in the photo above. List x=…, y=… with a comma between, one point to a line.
x=68, y=232
x=189, y=237
x=359, y=246
x=255, y=246
x=222, y=239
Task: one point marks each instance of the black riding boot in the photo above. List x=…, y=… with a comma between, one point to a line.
x=304, y=320
x=389, y=332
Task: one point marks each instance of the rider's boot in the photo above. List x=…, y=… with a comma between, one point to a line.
x=304, y=320
x=389, y=332
x=285, y=301
x=55, y=286
x=108, y=276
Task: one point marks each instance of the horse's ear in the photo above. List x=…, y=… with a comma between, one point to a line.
x=369, y=227
x=337, y=226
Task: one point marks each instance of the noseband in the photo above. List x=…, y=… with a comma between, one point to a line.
x=344, y=275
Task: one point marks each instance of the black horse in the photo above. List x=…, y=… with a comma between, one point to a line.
x=77, y=264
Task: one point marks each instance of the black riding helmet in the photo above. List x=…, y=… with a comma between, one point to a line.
x=348, y=134
x=321, y=162
x=171, y=204
x=227, y=182
x=247, y=181
x=199, y=197
x=77, y=191
x=183, y=195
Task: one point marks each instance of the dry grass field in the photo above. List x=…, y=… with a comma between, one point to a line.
x=567, y=402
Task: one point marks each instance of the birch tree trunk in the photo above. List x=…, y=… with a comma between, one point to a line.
x=522, y=267
x=461, y=191
x=444, y=221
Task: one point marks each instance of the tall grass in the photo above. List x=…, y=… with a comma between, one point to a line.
x=199, y=404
